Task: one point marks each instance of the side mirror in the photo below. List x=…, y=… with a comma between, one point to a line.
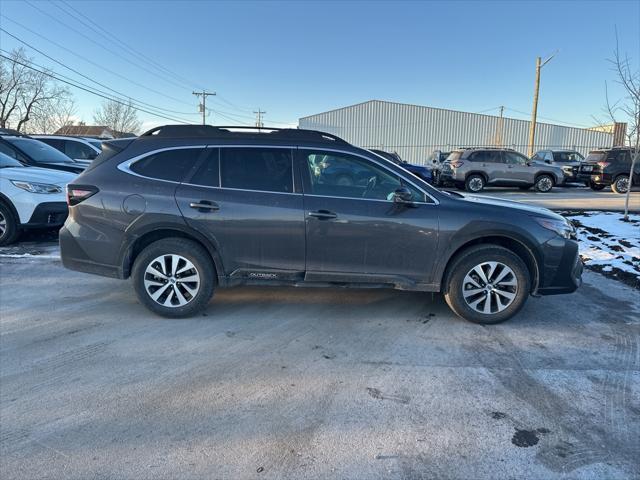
x=403, y=195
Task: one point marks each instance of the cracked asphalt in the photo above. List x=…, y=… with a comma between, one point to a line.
x=312, y=383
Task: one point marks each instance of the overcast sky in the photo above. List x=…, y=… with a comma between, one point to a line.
x=294, y=59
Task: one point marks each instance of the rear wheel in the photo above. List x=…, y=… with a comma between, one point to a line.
x=474, y=183
x=620, y=184
x=174, y=277
x=596, y=187
x=544, y=183
x=9, y=229
x=487, y=284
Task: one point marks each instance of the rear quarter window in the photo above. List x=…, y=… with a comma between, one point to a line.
x=171, y=165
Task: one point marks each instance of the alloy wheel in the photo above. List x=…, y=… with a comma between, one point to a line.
x=476, y=184
x=171, y=280
x=3, y=225
x=490, y=287
x=545, y=184
x=622, y=184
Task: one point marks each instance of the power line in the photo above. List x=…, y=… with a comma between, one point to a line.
x=259, y=114
x=203, y=106
x=116, y=54
x=146, y=87
x=55, y=77
x=108, y=35
x=89, y=78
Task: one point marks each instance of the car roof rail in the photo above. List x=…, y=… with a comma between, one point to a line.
x=235, y=132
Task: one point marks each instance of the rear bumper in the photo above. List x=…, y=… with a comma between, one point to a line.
x=48, y=215
x=74, y=257
x=562, y=269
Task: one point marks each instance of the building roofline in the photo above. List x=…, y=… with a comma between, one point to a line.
x=450, y=111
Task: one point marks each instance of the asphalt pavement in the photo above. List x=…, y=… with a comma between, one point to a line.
x=312, y=383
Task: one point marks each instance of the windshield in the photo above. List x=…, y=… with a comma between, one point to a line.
x=6, y=161
x=596, y=156
x=39, y=151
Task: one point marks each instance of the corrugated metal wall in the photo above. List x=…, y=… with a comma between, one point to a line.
x=414, y=131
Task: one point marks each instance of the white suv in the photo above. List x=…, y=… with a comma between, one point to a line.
x=30, y=197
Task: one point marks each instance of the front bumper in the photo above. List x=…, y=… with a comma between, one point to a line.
x=562, y=268
x=48, y=215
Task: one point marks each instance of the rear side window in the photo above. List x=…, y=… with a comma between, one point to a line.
x=170, y=165
x=263, y=169
x=208, y=173
x=79, y=150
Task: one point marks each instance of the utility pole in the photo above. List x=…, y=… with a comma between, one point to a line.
x=534, y=112
x=499, y=128
x=203, y=105
x=259, y=115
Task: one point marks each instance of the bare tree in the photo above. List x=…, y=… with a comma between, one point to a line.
x=52, y=116
x=26, y=93
x=629, y=106
x=118, y=116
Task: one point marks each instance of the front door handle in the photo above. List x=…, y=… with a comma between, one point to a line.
x=323, y=214
x=205, y=205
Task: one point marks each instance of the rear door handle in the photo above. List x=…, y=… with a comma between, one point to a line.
x=323, y=214
x=203, y=205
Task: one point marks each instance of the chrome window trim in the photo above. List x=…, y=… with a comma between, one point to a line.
x=126, y=165
x=320, y=149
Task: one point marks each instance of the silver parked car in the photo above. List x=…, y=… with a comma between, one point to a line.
x=475, y=168
x=568, y=160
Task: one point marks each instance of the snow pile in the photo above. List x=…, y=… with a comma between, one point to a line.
x=608, y=244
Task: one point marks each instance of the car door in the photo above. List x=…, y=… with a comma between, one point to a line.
x=518, y=169
x=489, y=162
x=355, y=232
x=245, y=201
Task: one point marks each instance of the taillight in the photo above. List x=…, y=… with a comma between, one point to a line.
x=79, y=193
x=457, y=163
x=603, y=164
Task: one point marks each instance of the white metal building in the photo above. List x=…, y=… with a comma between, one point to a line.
x=415, y=131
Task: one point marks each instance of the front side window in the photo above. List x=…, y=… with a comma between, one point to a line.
x=513, y=158
x=342, y=175
x=563, y=157
x=263, y=169
x=170, y=165
x=79, y=150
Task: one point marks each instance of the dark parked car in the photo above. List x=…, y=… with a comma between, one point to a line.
x=187, y=209
x=568, y=160
x=609, y=167
x=419, y=170
x=82, y=150
x=35, y=153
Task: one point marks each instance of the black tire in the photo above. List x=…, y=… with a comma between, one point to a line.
x=596, y=187
x=473, y=257
x=620, y=184
x=544, y=183
x=189, y=251
x=474, y=183
x=9, y=228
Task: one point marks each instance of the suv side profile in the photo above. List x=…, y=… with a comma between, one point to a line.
x=475, y=168
x=188, y=209
x=610, y=167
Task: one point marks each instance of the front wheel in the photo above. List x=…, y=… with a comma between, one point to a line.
x=544, y=183
x=487, y=284
x=174, y=277
x=621, y=184
x=9, y=229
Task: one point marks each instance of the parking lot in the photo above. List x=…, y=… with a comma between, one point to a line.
x=311, y=383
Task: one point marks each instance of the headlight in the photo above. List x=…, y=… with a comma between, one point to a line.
x=562, y=227
x=33, y=187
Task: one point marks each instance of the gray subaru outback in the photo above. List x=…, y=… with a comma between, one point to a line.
x=475, y=168
x=184, y=210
